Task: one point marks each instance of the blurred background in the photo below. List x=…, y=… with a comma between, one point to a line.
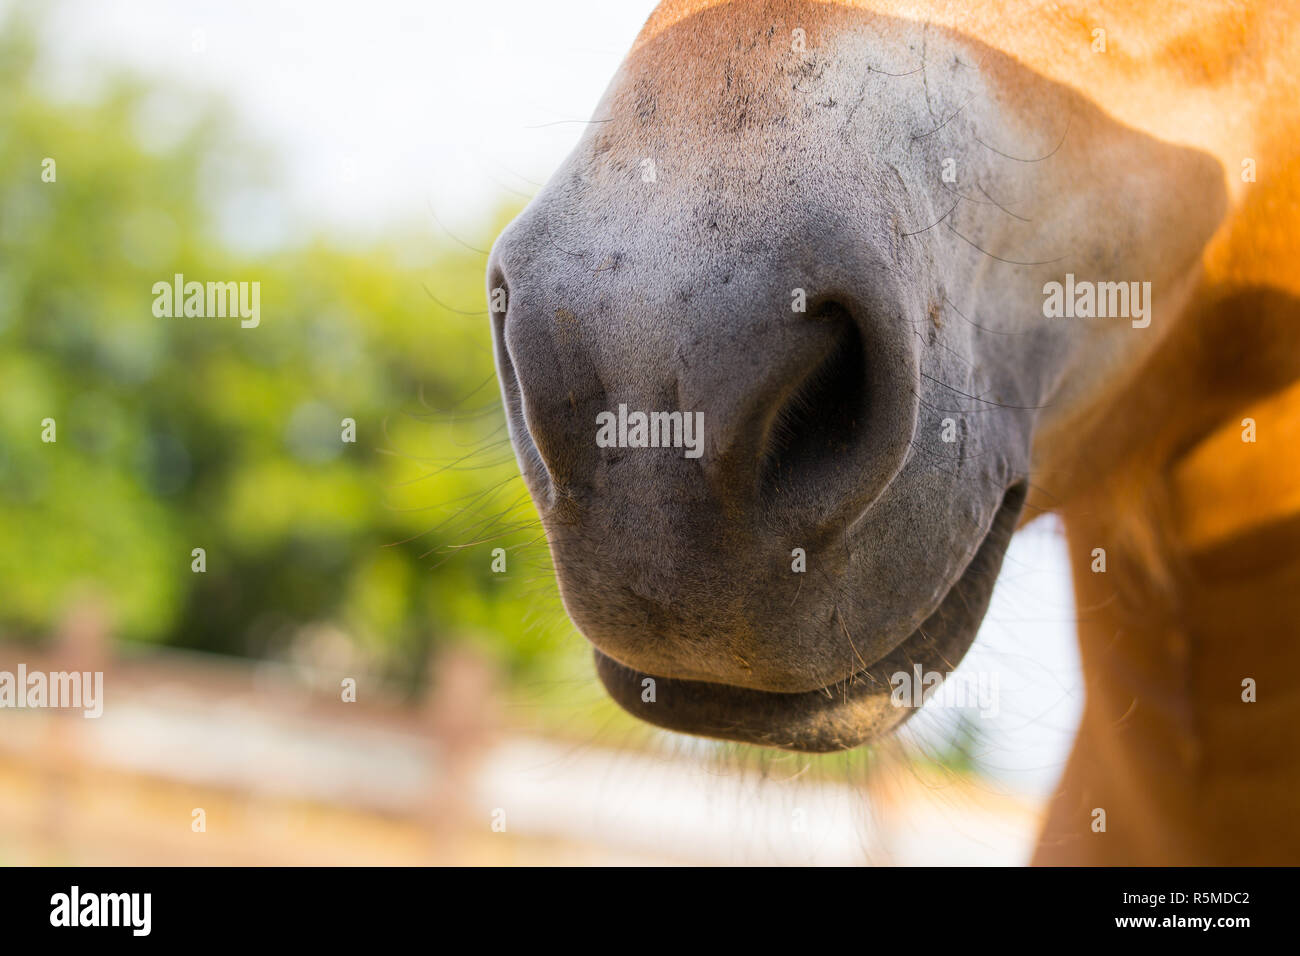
x=357, y=163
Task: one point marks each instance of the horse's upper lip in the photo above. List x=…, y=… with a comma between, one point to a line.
x=840, y=715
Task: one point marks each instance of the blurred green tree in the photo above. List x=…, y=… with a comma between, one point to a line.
x=181, y=433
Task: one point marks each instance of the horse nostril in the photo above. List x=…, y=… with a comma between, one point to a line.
x=818, y=424
x=512, y=392
x=498, y=297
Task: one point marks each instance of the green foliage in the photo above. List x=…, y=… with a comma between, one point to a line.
x=183, y=433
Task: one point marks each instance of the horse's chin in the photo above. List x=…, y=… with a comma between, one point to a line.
x=839, y=716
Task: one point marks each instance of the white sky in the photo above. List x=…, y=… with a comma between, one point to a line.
x=390, y=110
x=378, y=109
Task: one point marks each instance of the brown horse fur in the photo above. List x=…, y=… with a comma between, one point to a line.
x=1138, y=443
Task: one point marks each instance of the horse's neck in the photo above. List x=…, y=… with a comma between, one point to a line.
x=1186, y=770
x=1200, y=592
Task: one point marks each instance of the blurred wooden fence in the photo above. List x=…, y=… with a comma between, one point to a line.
x=286, y=772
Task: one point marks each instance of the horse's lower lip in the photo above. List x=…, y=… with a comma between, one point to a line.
x=840, y=715
x=836, y=717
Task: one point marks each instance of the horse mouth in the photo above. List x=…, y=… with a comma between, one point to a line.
x=839, y=716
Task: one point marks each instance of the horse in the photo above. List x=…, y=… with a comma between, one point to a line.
x=923, y=272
